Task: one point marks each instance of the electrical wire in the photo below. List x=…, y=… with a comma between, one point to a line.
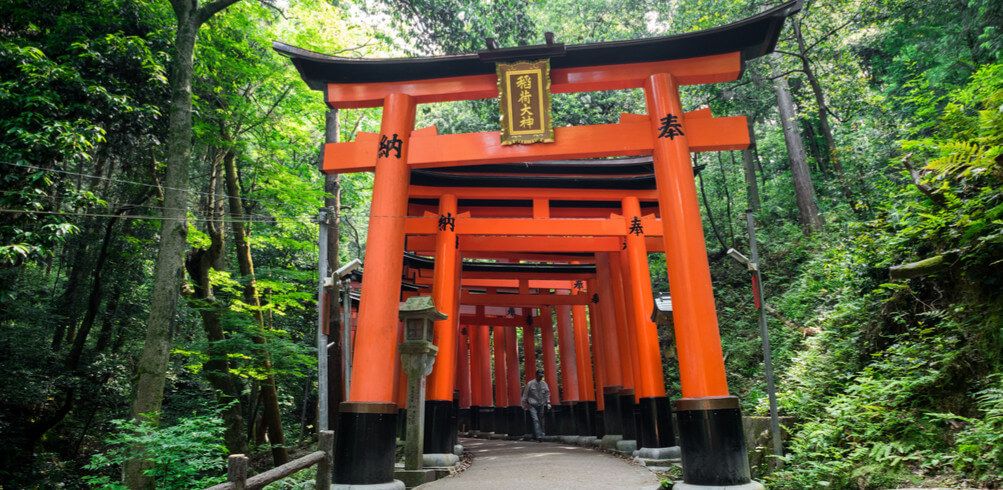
x=144, y=184
x=272, y=220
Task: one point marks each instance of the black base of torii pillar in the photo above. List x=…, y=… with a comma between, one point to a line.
x=713, y=445
x=440, y=427
x=367, y=445
x=655, y=423
x=612, y=418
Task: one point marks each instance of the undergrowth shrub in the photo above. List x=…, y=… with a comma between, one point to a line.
x=188, y=454
x=901, y=384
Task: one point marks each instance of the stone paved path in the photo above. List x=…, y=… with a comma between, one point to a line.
x=531, y=465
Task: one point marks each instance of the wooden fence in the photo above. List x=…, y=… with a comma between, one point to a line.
x=323, y=457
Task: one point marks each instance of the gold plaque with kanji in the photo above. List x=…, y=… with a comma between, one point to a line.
x=524, y=93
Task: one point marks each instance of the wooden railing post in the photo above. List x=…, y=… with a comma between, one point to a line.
x=236, y=471
x=325, y=442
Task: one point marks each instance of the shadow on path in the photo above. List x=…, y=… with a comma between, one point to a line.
x=531, y=465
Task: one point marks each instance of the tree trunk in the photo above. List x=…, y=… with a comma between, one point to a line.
x=108, y=322
x=68, y=302
x=217, y=368
x=152, y=365
x=727, y=196
x=269, y=398
x=823, y=112
x=808, y=215
x=809, y=133
x=93, y=300
x=750, y=179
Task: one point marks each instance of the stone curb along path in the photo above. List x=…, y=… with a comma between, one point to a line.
x=532, y=465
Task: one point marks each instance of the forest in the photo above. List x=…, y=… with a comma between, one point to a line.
x=158, y=238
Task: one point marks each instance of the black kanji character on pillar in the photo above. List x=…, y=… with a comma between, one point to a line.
x=595, y=298
x=636, y=227
x=511, y=311
x=578, y=285
x=390, y=144
x=670, y=127
x=447, y=220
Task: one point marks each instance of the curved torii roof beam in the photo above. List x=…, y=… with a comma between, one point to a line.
x=750, y=38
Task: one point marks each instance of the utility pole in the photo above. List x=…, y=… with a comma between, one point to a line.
x=328, y=313
x=322, y=323
x=764, y=333
x=752, y=264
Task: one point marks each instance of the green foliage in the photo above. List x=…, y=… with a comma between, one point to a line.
x=187, y=454
x=978, y=447
x=882, y=388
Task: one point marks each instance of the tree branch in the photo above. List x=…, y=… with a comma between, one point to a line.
x=918, y=268
x=269, y=112
x=206, y=12
x=710, y=214
x=829, y=34
x=833, y=114
x=917, y=181
x=355, y=48
x=788, y=53
x=789, y=324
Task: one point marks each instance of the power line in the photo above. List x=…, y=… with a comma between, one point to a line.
x=271, y=220
x=108, y=204
x=123, y=206
x=144, y=184
x=226, y=219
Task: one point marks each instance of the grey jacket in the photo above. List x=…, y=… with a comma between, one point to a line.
x=536, y=393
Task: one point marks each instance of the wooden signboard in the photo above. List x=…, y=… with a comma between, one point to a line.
x=524, y=93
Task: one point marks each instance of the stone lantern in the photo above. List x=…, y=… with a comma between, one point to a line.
x=417, y=357
x=662, y=315
x=419, y=316
x=655, y=420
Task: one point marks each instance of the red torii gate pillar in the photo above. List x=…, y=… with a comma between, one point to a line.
x=546, y=323
x=463, y=381
x=501, y=380
x=481, y=409
x=366, y=422
x=598, y=362
x=625, y=329
x=529, y=363
x=440, y=426
x=710, y=420
x=613, y=378
x=513, y=411
x=564, y=413
x=584, y=411
x=529, y=352
x=655, y=423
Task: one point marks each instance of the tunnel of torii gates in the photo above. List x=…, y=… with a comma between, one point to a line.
x=569, y=228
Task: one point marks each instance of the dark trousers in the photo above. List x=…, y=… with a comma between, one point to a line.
x=536, y=414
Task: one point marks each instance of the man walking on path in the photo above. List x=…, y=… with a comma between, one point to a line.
x=535, y=398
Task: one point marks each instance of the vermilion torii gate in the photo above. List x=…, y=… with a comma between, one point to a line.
x=589, y=226
x=708, y=418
